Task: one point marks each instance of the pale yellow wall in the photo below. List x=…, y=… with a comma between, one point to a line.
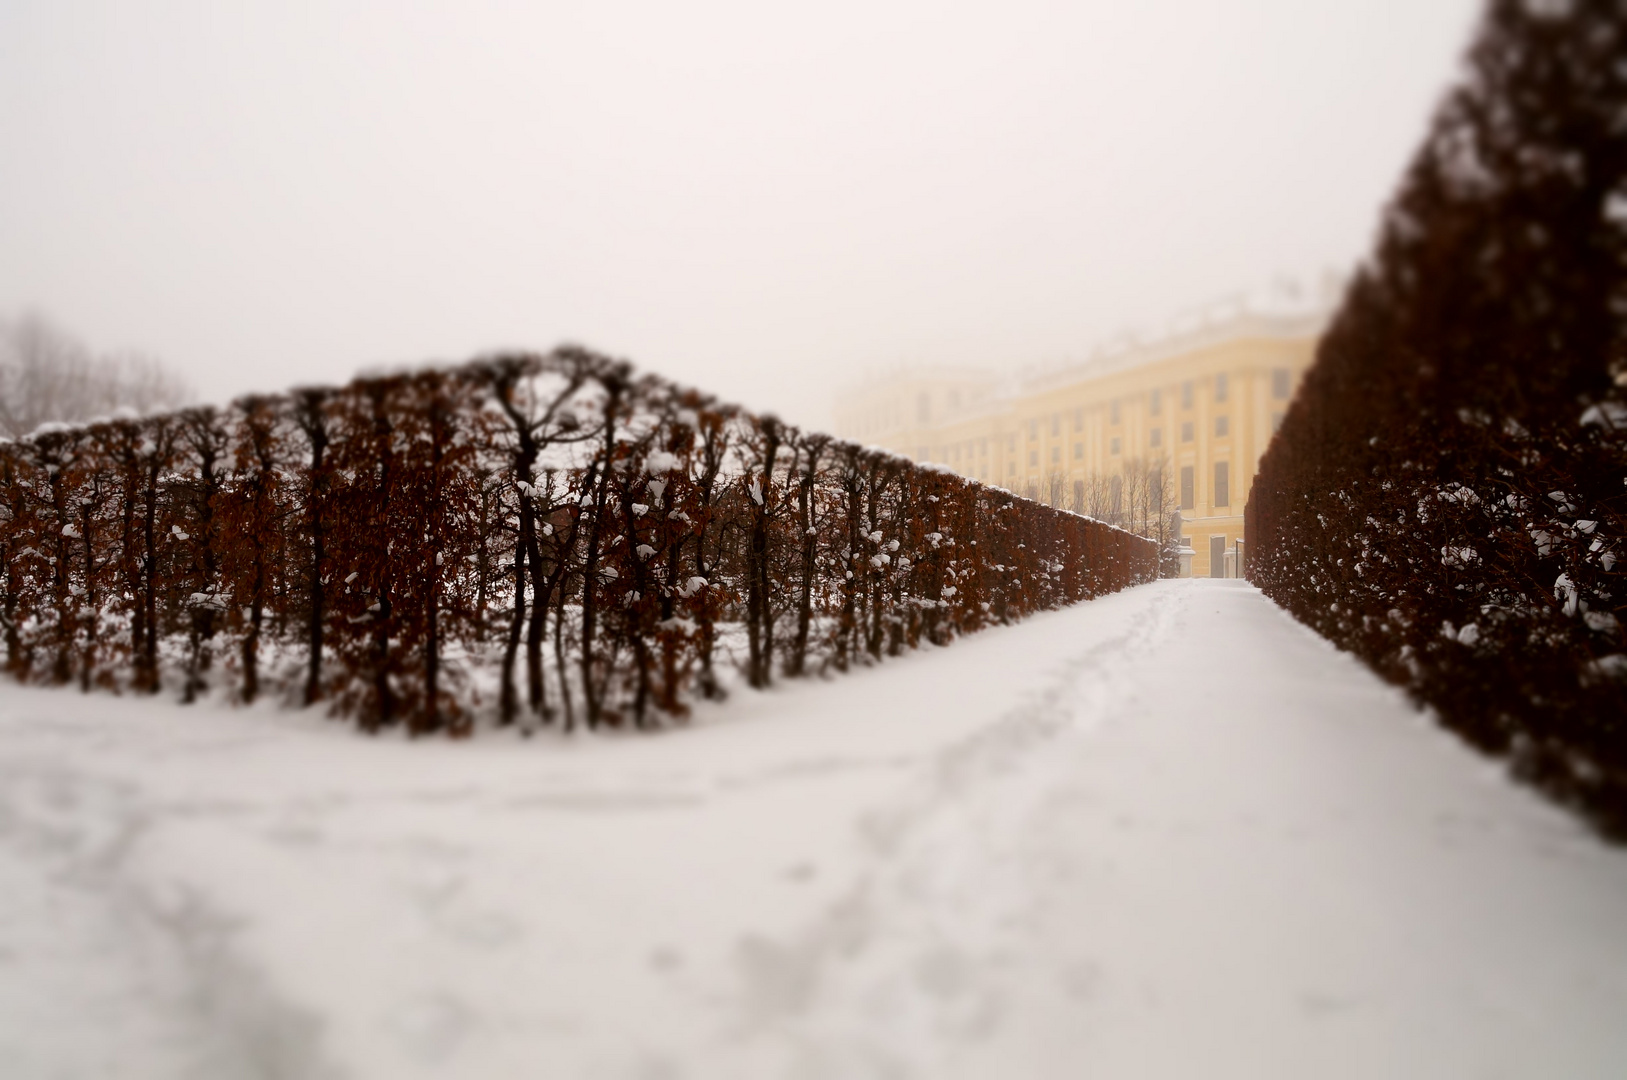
x=1064, y=421
x=900, y=410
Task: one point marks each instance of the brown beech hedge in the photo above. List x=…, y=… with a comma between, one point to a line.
x=1447, y=497
x=545, y=538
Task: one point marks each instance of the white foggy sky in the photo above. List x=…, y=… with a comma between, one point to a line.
x=764, y=200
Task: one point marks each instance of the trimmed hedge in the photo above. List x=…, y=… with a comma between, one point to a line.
x=586, y=535
x=1447, y=497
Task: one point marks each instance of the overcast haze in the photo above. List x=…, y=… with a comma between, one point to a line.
x=763, y=201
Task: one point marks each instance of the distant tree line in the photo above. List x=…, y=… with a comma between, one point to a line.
x=1447, y=497
x=548, y=538
x=46, y=375
x=1139, y=497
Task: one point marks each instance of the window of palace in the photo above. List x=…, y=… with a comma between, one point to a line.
x=1033, y=458
x=1078, y=450
x=1186, y=431
x=1155, y=402
x=1155, y=437
x=1188, y=502
x=1186, y=394
x=1056, y=424
x=1113, y=413
x=1078, y=419
x=1276, y=422
x=1222, y=484
x=1279, y=383
x=1220, y=387
x=1222, y=425
x=1113, y=445
x=1033, y=430
x=1056, y=455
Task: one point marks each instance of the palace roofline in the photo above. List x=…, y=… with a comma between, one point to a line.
x=1130, y=351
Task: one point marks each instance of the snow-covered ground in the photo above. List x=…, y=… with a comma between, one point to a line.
x=1166, y=833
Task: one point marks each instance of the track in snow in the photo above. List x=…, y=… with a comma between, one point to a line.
x=1165, y=833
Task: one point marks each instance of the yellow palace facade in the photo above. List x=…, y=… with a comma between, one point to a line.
x=1196, y=407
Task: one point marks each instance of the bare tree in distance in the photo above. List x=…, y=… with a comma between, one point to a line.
x=1139, y=497
x=46, y=374
x=1098, y=500
x=1055, y=491
x=1150, y=502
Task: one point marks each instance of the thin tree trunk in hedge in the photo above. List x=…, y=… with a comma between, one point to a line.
x=384, y=702
x=895, y=590
x=879, y=478
x=641, y=691
x=129, y=548
x=536, y=632
x=432, y=605
x=61, y=664
x=847, y=632
x=8, y=552
x=556, y=585
x=524, y=459
x=251, y=639
x=313, y=421
x=86, y=531
x=759, y=622
x=508, y=697
x=432, y=658
x=713, y=448
x=483, y=560
x=598, y=482
x=261, y=521
x=669, y=644
x=590, y=558
x=932, y=619
x=636, y=620
x=559, y=661
x=810, y=547
x=147, y=668
x=207, y=442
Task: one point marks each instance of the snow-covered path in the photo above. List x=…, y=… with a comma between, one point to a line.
x=1166, y=833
